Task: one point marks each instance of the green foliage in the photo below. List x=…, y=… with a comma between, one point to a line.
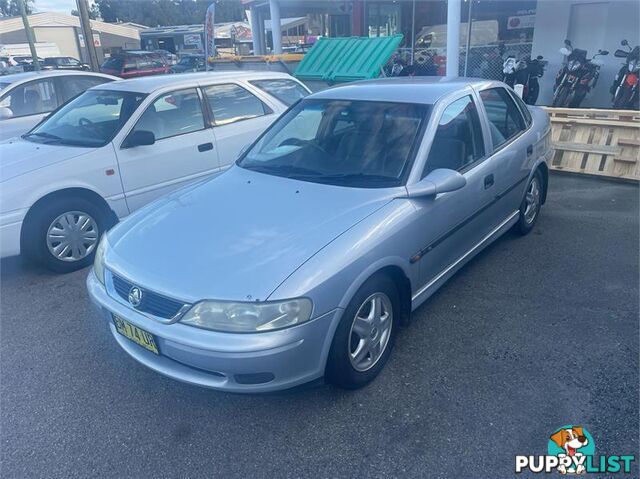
x=11, y=8
x=154, y=13
x=94, y=12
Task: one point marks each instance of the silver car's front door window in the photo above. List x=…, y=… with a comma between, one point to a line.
x=27, y=104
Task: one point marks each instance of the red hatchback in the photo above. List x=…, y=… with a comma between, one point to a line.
x=135, y=64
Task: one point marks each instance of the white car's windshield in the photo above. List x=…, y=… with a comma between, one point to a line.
x=367, y=144
x=90, y=120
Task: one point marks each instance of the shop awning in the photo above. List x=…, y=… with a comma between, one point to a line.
x=347, y=59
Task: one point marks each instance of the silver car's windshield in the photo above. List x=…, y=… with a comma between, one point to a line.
x=92, y=119
x=368, y=144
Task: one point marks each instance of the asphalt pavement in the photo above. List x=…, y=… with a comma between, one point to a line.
x=533, y=334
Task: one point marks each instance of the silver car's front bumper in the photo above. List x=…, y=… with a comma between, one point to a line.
x=232, y=362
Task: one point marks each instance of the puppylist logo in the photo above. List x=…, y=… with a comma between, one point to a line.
x=571, y=450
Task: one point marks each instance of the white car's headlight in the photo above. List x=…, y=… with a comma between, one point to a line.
x=98, y=262
x=248, y=317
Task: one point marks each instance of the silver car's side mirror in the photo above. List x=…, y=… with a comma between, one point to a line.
x=5, y=113
x=438, y=181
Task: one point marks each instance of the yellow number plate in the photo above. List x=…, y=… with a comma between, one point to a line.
x=135, y=334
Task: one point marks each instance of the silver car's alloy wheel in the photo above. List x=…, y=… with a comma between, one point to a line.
x=532, y=201
x=370, y=331
x=72, y=236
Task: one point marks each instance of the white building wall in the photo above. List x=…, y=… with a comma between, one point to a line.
x=595, y=24
x=64, y=37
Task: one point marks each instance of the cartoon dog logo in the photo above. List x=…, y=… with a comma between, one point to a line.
x=570, y=439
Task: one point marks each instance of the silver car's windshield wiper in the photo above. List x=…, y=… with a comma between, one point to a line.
x=352, y=177
x=286, y=170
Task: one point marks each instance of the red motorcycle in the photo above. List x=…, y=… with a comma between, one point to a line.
x=577, y=77
x=625, y=85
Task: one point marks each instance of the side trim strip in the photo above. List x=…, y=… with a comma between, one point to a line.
x=416, y=257
x=464, y=256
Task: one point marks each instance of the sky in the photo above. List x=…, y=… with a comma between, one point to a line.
x=64, y=6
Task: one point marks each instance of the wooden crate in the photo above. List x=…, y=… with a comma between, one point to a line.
x=596, y=142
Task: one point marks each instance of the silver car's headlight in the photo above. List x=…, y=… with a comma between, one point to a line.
x=98, y=262
x=247, y=317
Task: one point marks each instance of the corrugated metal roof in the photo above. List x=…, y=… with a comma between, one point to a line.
x=53, y=19
x=347, y=59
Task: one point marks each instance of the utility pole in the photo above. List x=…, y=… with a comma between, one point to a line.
x=469, y=27
x=453, y=38
x=85, y=24
x=30, y=37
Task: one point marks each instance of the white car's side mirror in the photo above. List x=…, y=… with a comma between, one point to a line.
x=5, y=113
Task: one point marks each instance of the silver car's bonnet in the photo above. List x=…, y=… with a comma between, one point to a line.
x=236, y=237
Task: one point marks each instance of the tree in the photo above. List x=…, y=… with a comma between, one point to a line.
x=11, y=8
x=94, y=12
x=167, y=12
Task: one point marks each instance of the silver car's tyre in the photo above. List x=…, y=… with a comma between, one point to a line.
x=364, y=338
x=62, y=234
x=531, y=204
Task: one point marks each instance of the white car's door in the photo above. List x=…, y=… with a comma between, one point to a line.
x=238, y=116
x=26, y=105
x=183, y=150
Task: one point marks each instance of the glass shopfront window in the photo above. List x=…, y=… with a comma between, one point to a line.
x=383, y=19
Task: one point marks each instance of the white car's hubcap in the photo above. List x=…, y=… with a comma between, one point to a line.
x=72, y=236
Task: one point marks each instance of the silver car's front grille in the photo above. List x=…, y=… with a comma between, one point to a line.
x=151, y=303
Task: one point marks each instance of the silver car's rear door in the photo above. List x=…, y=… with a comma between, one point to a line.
x=512, y=145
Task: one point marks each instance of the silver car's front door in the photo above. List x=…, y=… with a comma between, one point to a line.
x=452, y=224
x=26, y=105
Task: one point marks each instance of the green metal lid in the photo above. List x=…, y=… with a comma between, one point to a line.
x=347, y=59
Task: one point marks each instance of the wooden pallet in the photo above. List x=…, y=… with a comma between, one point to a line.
x=596, y=142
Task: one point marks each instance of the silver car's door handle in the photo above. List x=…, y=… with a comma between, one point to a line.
x=529, y=150
x=488, y=181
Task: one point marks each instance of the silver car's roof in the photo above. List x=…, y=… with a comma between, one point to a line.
x=425, y=90
x=19, y=77
x=152, y=83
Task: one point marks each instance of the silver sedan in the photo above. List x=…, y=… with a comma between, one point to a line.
x=305, y=257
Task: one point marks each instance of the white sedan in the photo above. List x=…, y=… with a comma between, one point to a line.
x=120, y=145
x=26, y=98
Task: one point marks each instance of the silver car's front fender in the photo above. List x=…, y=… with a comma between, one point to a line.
x=334, y=274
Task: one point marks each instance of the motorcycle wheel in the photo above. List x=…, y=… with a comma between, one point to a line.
x=622, y=99
x=577, y=97
x=534, y=90
x=561, y=96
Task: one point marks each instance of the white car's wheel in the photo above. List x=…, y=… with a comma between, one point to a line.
x=62, y=234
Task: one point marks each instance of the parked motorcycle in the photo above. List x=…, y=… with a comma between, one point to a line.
x=577, y=77
x=510, y=69
x=625, y=85
x=395, y=66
